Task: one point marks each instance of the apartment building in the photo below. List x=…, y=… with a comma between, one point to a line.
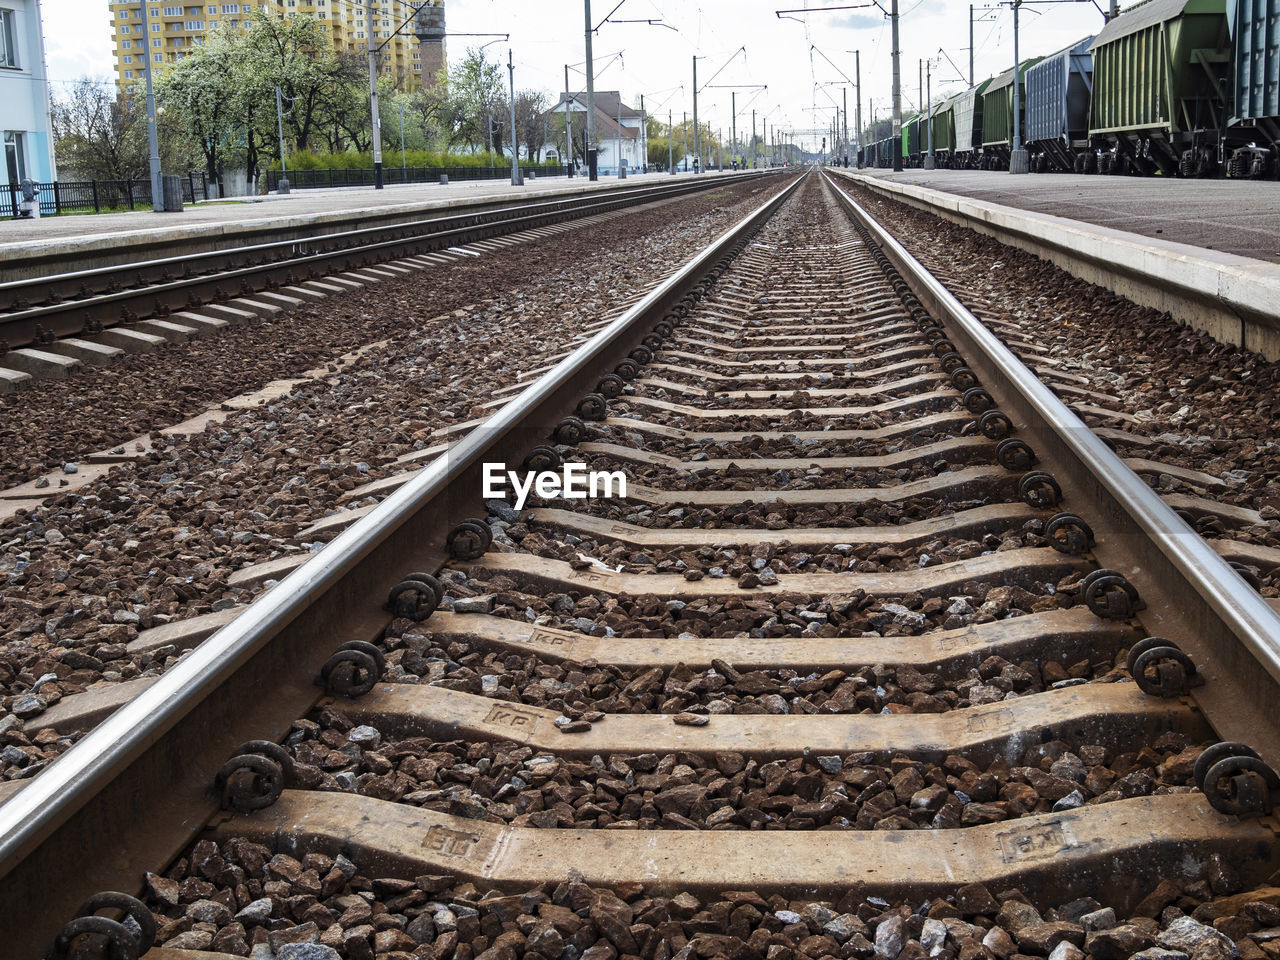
x=24, y=94
x=176, y=29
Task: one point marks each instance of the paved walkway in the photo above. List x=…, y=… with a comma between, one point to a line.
x=1234, y=216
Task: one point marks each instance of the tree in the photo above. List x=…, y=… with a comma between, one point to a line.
x=295, y=54
x=530, y=107
x=100, y=133
x=203, y=92
x=475, y=87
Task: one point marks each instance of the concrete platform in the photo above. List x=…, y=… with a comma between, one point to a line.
x=1233, y=216
x=1232, y=297
x=142, y=234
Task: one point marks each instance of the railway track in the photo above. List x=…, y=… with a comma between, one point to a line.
x=38, y=310
x=863, y=631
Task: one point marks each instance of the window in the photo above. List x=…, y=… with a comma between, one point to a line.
x=417, y=55
x=155, y=12
x=125, y=44
x=124, y=14
x=173, y=11
x=213, y=8
x=231, y=8
x=193, y=25
x=158, y=57
x=128, y=74
x=177, y=41
x=128, y=58
x=8, y=40
x=198, y=41
x=359, y=34
x=156, y=41
x=124, y=28
x=155, y=28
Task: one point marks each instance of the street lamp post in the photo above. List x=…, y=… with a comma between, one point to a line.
x=897, y=90
x=1019, y=159
x=373, y=103
x=516, y=179
x=153, y=137
x=591, y=98
x=671, y=147
x=857, y=75
x=929, y=162
x=697, y=137
x=568, y=135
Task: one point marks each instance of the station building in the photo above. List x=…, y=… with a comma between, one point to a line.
x=24, y=94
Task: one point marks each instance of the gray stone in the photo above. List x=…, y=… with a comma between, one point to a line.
x=788, y=916
x=28, y=706
x=71, y=467
x=1103, y=919
x=365, y=736
x=1159, y=953
x=1071, y=801
x=209, y=911
x=307, y=951
x=933, y=936
x=259, y=911
x=1066, y=950
x=1197, y=941
x=481, y=604
x=891, y=936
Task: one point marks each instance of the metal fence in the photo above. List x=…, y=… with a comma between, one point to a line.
x=305, y=179
x=94, y=196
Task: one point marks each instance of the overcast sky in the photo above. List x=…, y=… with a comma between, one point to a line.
x=789, y=55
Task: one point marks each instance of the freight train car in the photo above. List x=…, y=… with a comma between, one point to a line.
x=911, y=140
x=1160, y=89
x=943, y=124
x=967, y=117
x=997, y=115
x=1255, y=87
x=1058, y=93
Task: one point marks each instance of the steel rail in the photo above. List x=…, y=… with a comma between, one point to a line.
x=67, y=302
x=1193, y=597
x=139, y=787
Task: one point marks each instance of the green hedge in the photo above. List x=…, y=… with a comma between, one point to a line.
x=351, y=160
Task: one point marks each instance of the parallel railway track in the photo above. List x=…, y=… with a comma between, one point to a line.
x=38, y=309
x=844, y=565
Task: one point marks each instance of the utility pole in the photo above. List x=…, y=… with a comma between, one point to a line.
x=684, y=132
x=697, y=133
x=644, y=134
x=516, y=179
x=897, y=89
x=283, y=184
x=1019, y=159
x=153, y=137
x=733, y=122
x=400, y=104
x=753, y=138
x=373, y=103
x=929, y=162
x=1113, y=11
x=568, y=134
x=591, y=98
x=671, y=145
x=844, y=93
x=619, y=157
x=971, y=42
x=857, y=76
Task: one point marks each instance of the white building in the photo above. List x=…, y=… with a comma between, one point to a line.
x=614, y=140
x=24, y=94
